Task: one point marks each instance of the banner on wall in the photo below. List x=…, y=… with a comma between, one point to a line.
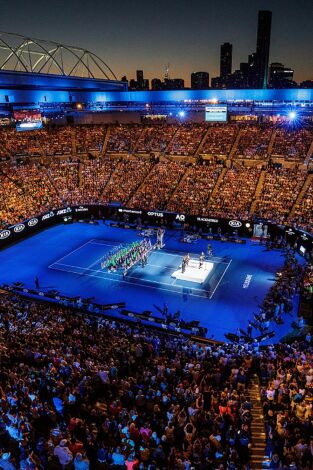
x=244, y=228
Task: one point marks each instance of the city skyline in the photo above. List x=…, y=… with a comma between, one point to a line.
x=147, y=37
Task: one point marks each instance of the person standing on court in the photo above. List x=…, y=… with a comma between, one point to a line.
x=37, y=283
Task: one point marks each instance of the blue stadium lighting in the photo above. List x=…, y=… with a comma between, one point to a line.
x=292, y=115
x=181, y=114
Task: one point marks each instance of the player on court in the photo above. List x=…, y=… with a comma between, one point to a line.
x=210, y=251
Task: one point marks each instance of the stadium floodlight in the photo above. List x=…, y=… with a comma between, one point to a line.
x=292, y=115
x=181, y=114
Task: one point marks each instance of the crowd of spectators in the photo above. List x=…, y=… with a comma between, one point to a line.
x=157, y=190
x=186, y=140
x=253, y=142
x=94, y=177
x=287, y=375
x=176, y=139
x=83, y=180
x=279, y=192
x=235, y=194
x=292, y=144
x=303, y=215
x=65, y=175
x=126, y=178
x=219, y=140
x=89, y=138
x=57, y=141
x=123, y=138
x=25, y=191
x=155, y=138
x=78, y=392
x=191, y=197
x=278, y=302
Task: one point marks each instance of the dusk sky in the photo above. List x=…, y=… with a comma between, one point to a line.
x=187, y=34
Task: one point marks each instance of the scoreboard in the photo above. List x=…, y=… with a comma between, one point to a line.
x=216, y=113
x=27, y=118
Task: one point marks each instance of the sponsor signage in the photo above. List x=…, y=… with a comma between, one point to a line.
x=48, y=216
x=32, y=222
x=4, y=234
x=54, y=216
x=235, y=223
x=155, y=214
x=64, y=211
x=130, y=211
x=19, y=228
x=81, y=209
x=206, y=219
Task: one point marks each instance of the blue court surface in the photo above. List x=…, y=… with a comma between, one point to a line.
x=68, y=258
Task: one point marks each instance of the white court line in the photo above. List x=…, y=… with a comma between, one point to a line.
x=212, y=258
x=105, y=244
x=76, y=249
x=131, y=283
x=120, y=277
x=92, y=241
x=220, y=279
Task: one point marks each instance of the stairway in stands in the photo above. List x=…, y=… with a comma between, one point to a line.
x=217, y=185
x=309, y=154
x=271, y=143
x=141, y=134
x=305, y=186
x=73, y=142
x=203, y=139
x=171, y=141
x=258, y=190
x=259, y=459
x=235, y=145
x=106, y=140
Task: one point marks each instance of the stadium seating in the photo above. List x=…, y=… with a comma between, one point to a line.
x=157, y=190
x=65, y=179
x=279, y=193
x=86, y=392
x=253, y=142
x=292, y=144
x=219, y=140
x=234, y=197
x=192, y=197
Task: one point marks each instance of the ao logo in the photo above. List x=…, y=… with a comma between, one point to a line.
x=5, y=234
x=32, y=222
x=180, y=217
x=19, y=228
x=235, y=223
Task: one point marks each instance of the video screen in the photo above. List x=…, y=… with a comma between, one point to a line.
x=216, y=113
x=27, y=119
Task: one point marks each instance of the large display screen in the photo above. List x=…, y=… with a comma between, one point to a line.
x=27, y=119
x=216, y=113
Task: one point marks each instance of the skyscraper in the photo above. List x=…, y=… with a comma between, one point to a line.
x=263, y=47
x=140, y=79
x=226, y=59
x=200, y=81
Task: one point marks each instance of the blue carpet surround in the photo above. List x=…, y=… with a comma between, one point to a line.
x=67, y=258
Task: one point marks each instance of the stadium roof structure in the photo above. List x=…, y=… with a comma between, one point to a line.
x=30, y=55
